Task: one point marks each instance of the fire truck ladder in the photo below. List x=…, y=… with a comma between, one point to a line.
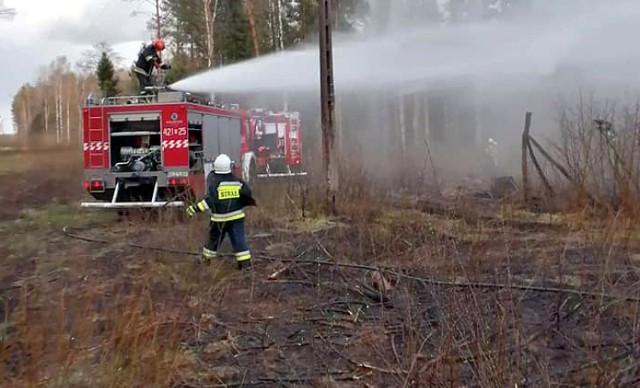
x=96, y=136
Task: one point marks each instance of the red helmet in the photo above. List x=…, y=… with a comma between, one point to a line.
x=158, y=44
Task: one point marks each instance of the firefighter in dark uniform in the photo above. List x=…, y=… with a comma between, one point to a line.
x=227, y=196
x=148, y=59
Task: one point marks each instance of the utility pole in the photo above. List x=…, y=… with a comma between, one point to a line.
x=327, y=96
x=158, y=24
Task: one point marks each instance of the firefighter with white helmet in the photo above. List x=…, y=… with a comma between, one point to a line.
x=226, y=198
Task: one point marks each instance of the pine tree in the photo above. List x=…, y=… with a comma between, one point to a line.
x=106, y=76
x=233, y=31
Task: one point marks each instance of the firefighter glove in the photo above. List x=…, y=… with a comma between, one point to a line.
x=191, y=211
x=165, y=66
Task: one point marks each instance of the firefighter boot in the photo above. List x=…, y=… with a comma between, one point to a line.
x=244, y=264
x=207, y=255
x=200, y=259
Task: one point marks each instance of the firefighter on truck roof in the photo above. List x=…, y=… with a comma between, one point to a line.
x=148, y=59
x=227, y=196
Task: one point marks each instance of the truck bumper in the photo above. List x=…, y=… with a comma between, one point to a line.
x=113, y=204
x=131, y=205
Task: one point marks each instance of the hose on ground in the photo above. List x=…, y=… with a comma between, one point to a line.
x=76, y=236
x=388, y=270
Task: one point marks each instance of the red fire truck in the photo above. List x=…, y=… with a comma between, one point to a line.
x=276, y=143
x=157, y=152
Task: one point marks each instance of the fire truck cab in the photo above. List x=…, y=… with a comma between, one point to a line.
x=158, y=153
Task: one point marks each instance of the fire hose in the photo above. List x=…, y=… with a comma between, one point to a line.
x=388, y=270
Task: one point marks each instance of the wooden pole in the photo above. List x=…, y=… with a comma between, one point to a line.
x=158, y=22
x=327, y=96
x=525, y=166
x=543, y=177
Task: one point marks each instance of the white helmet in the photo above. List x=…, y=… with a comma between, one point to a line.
x=222, y=164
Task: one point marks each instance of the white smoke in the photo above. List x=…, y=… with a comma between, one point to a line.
x=594, y=37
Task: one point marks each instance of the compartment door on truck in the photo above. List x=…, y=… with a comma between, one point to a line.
x=230, y=137
x=211, y=144
x=222, y=135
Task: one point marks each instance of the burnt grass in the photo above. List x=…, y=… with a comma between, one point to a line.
x=313, y=311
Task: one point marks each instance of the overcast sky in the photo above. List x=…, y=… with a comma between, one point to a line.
x=45, y=29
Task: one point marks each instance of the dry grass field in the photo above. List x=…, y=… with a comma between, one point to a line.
x=389, y=294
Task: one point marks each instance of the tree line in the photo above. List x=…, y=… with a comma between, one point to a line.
x=52, y=105
x=203, y=34
x=212, y=33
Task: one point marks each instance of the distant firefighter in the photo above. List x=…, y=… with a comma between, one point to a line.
x=492, y=150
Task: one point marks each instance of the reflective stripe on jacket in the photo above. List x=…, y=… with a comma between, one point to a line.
x=226, y=198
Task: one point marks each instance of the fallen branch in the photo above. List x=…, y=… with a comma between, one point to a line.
x=540, y=289
x=360, y=364
x=278, y=272
x=342, y=376
x=292, y=281
x=502, y=286
x=353, y=376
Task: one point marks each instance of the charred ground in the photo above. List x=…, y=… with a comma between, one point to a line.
x=480, y=293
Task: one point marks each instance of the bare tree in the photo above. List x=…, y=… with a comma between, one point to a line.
x=275, y=24
x=248, y=5
x=58, y=113
x=210, y=14
x=156, y=19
